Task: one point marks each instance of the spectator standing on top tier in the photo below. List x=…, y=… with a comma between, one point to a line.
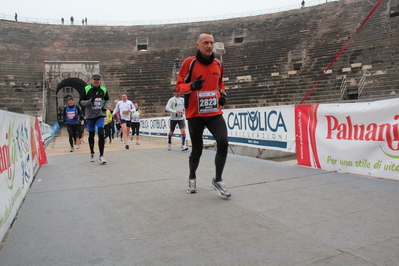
x=62, y=21
x=16, y=17
x=303, y=4
x=72, y=19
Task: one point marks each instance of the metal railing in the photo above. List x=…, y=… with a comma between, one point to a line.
x=343, y=87
x=160, y=22
x=362, y=83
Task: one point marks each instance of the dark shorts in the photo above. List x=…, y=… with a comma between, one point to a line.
x=128, y=123
x=135, y=128
x=173, y=123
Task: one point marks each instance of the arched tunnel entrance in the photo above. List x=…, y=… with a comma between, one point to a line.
x=64, y=79
x=70, y=87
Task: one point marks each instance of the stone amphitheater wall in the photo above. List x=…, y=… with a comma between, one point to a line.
x=271, y=59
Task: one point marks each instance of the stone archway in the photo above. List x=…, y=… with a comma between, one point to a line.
x=69, y=87
x=63, y=79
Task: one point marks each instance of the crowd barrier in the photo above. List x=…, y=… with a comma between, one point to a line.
x=22, y=153
x=263, y=127
x=359, y=138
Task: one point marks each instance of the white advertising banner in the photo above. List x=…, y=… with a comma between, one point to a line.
x=157, y=127
x=15, y=165
x=21, y=154
x=264, y=127
x=361, y=138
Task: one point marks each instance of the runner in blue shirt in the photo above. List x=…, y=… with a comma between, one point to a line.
x=71, y=114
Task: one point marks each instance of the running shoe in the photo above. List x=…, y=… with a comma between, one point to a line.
x=71, y=150
x=77, y=146
x=92, y=157
x=184, y=148
x=137, y=143
x=126, y=147
x=131, y=138
x=169, y=147
x=192, y=186
x=102, y=160
x=220, y=187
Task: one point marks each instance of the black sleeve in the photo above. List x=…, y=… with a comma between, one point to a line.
x=83, y=96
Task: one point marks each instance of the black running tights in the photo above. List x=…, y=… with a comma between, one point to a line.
x=101, y=140
x=217, y=126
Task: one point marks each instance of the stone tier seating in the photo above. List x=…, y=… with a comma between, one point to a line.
x=257, y=71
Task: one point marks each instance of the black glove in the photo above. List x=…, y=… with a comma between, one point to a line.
x=92, y=99
x=223, y=99
x=75, y=117
x=104, y=109
x=197, y=84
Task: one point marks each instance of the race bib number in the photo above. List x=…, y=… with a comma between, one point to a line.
x=178, y=115
x=126, y=113
x=207, y=102
x=71, y=114
x=97, y=104
x=136, y=117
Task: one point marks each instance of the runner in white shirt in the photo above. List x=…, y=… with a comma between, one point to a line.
x=175, y=106
x=125, y=109
x=135, y=125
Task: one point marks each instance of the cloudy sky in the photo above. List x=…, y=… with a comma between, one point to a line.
x=130, y=12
